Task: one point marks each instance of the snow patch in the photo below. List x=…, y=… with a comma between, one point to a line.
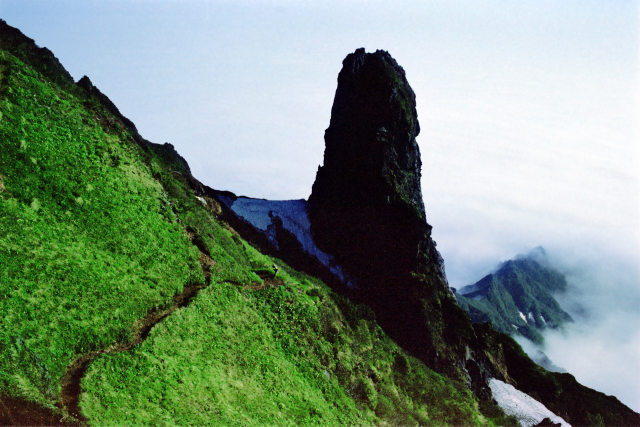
x=523, y=318
x=525, y=408
x=530, y=315
x=202, y=200
x=295, y=219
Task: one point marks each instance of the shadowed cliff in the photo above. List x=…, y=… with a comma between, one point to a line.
x=366, y=210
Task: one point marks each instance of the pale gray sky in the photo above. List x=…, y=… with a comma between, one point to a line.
x=529, y=110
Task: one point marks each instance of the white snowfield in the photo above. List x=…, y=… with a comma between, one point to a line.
x=525, y=408
x=523, y=318
x=293, y=213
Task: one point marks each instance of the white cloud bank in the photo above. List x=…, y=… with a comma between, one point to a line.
x=602, y=347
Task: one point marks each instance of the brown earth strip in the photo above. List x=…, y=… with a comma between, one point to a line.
x=15, y=411
x=19, y=412
x=71, y=387
x=269, y=281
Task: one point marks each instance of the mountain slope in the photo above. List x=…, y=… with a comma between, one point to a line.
x=517, y=297
x=88, y=242
x=126, y=299
x=368, y=229
x=114, y=261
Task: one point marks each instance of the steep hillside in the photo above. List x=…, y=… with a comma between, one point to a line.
x=88, y=240
x=365, y=227
x=517, y=297
x=125, y=300
x=127, y=295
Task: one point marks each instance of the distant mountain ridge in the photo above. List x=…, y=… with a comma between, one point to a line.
x=518, y=296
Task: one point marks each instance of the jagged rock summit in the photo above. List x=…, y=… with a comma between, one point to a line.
x=12, y=39
x=366, y=202
x=366, y=210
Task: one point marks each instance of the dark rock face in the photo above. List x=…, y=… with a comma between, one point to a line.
x=366, y=210
x=366, y=201
x=547, y=423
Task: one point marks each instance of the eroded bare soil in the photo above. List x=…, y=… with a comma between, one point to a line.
x=15, y=411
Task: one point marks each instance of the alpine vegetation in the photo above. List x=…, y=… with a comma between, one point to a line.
x=132, y=293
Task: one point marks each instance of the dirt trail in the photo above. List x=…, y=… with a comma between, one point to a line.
x=15, y=411
x=19, y=412
x=268, y=282
x=71, y=389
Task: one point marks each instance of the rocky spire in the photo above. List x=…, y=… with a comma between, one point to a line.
x=366, y=205
x=366, y=210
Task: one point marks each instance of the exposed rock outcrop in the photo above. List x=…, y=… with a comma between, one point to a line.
x=41, y=58
x=366, y=210
x=366, y=201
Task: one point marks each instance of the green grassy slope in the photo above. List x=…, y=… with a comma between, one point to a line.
x=88, y=243
x=96, y=230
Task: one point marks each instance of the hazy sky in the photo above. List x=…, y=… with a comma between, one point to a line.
x=529, y=110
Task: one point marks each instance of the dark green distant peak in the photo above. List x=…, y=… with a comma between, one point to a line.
x=518, y=296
